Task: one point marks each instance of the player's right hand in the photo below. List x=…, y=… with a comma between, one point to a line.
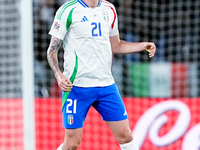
x=150, y=47
x=63, y=82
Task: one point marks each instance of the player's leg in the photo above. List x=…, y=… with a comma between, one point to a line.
x=75, y=108
x=121, y=131
x=111, y=107
x=72, y=139
x=123, y=134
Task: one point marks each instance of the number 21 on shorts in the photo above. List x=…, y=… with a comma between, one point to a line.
x=71, y=106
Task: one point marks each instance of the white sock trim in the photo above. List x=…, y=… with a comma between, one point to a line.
x=60, y=147
x=129, y=146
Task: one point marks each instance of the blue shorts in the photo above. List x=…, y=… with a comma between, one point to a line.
x=106, y=100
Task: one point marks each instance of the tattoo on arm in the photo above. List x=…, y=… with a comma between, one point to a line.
x=52, y=54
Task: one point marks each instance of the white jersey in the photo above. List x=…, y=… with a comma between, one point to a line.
x=85, y=33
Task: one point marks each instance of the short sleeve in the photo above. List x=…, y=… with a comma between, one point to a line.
x=114, y=27
x=58, y=28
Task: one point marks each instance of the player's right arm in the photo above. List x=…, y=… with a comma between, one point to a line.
x=52, y=57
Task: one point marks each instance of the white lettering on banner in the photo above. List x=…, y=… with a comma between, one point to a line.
x=154, y=118
x=191, y=140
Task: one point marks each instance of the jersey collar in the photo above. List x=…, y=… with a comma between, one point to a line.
x=85, y=5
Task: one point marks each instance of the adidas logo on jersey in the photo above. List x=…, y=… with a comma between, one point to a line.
x=84, y=19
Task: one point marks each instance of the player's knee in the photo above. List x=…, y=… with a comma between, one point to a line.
x=125, y=137
x=71, y=143
x=71, y=146
x=72, y=139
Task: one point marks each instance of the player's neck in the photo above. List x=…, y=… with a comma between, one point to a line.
x=92, y=3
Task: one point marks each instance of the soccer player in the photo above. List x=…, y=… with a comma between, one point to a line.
x=88, y=30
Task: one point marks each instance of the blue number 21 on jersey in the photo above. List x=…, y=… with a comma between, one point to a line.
x=96, y=30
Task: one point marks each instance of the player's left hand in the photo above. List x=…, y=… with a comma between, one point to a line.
x=150, y=47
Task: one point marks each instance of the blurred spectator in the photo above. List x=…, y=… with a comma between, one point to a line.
x=43, y=18
x=42, y=23
x=40, y=79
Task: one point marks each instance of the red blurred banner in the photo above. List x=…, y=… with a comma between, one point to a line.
x=165, y=124
x=157, y=124
x=11, y=124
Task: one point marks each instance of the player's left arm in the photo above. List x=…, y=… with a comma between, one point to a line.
x=122, y=47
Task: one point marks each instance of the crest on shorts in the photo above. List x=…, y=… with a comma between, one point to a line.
x=105, y=16
x=70, y=119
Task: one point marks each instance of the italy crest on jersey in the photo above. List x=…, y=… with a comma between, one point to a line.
x=70, y=119
x=105, y=16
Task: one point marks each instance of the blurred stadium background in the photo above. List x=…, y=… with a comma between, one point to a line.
x=161, y=94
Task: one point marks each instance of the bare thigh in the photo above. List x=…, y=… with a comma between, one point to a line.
x=72, y=138
x=121, y=131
